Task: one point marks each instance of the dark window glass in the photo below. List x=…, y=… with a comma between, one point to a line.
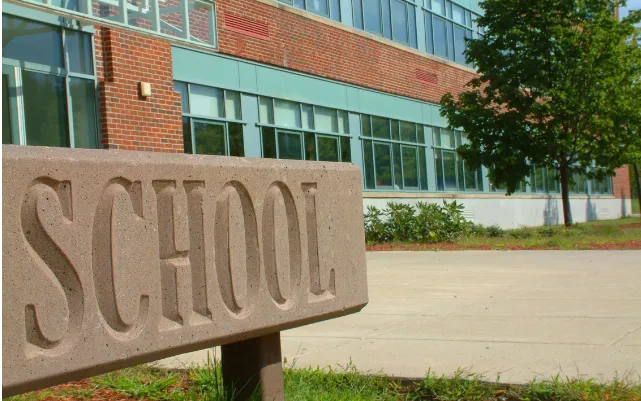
x=459, y=45
x=26, y=40
x=187, y=135
x=399, y=21
x=471, y=179
x=236, y=142
x=387, y=19
x=365, y=123
x=552, y=183
x=209, y=138
x=428, y=33
x=368, y=164
x=346, y=152
x=45, y=109
x=440, y=37
x=310, y=146
x=382, y=154
x=328, y=149
x=410, y=166
x=395, y=130
x=423, y=168
x=381, y=127
x=398, y=170
x=83, y=107
x=440, y=185
x=269, y=142
x=539, y=180
x=78, y=45
x=420, y=134
x=411, y=10
x=6, y=112
x=408, y=132
x=335, y=10
x=461, y=174
x=358, y=13
x=372, y=11
x=318, y=7
x=290, y=146
x=449, y=170
x=297, y=3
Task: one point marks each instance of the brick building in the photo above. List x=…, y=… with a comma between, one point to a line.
x=322, y=80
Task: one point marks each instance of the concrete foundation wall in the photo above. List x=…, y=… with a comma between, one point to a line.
x=531, y=212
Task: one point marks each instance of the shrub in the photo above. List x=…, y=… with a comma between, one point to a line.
x=521, y=233
x=401, y=221
x=478, y=230
x=375, y=227
x=425, y=223
x=495, y=231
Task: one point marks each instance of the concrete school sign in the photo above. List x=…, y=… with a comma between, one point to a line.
x=115, y=258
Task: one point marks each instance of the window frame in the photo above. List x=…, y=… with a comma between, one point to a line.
x=450, y=24
x=438, y=146
x=418, y=145
x=194, y=117
x=65, y=72
x=408, y=21
x=302, y=131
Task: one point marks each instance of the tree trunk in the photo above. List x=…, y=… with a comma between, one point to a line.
x=565, y=195
x=638, y=181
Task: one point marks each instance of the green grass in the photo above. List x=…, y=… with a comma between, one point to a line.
x=580, y=236
x=205, y=383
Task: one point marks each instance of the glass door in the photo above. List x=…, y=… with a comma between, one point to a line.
x=10, y=116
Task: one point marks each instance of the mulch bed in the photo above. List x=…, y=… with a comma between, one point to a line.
x=99, y=394
x=451, y=246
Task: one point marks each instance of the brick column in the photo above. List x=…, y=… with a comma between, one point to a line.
x=128, y=120
x=621, y=183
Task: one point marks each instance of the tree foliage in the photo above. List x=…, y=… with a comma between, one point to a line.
x=558, y=87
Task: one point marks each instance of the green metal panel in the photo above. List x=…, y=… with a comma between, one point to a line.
x=229, y=73
x=356, y=147
x=205, y=68
x=251, y=131
x=247, y=77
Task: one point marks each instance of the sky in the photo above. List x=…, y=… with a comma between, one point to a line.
x=632, y=5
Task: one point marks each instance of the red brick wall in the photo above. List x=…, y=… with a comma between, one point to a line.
x=129, y=121
x=621, y=183
x=301, y=44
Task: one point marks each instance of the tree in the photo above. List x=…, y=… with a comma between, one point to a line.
x=554, y=90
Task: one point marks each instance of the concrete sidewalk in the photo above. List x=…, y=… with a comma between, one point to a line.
x=516, y=315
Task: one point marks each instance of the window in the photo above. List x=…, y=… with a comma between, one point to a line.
x=212, y=120
x=326, y=8
x=393, y=154
x=391, y=19
x=298, y=131
x=452, y=174
x=186, y=20
x=544, y=180
x=447, y=25
x=579, y=183
x=48, y=89
x=601, y=186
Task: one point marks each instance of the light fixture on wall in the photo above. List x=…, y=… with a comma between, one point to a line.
x=145, y=89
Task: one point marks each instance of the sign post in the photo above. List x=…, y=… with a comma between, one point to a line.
x=115, y=258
